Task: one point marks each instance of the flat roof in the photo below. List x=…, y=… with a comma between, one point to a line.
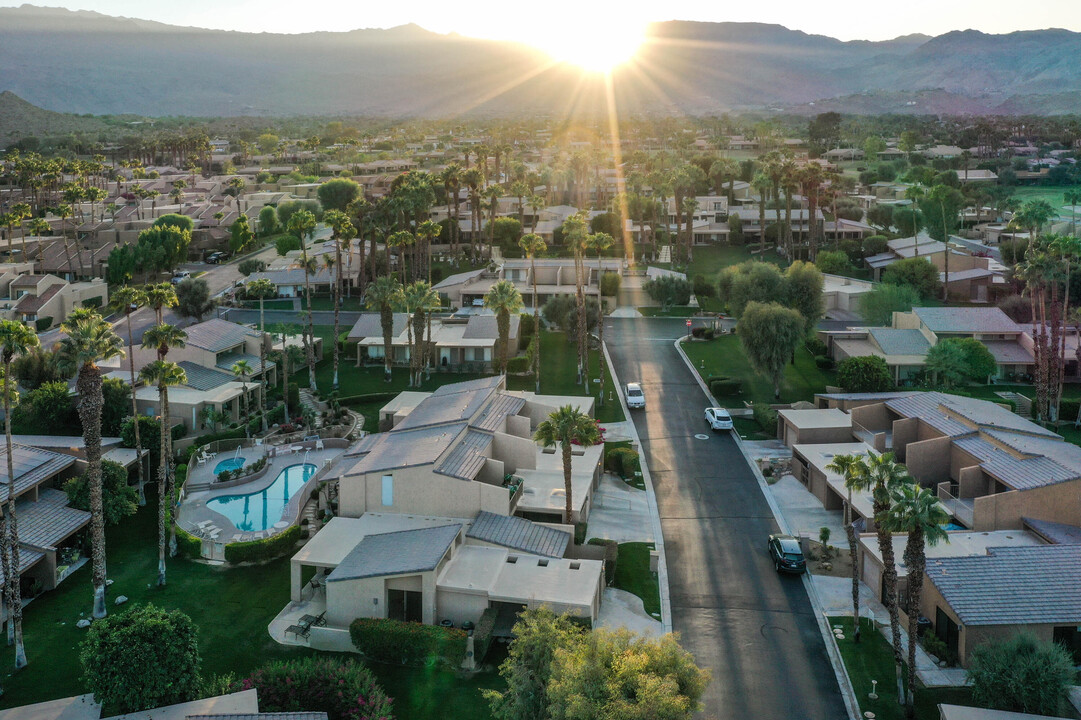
x=963, y=712
x=960, y=543
x=243, y=702
x=77, y=707
x=825, y=418
x=819, y=455
x=329, y=546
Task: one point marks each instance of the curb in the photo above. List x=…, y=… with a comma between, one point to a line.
x=651, y=500
x=845, y=683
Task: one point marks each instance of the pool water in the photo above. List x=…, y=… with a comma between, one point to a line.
x=261, y=510
x=230, y=464
x=953, y=526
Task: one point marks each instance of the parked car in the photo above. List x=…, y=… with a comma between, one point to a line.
x=787, y=554
x=180, y=276
x=215, y=258
x=718, y=418
x=635, y=397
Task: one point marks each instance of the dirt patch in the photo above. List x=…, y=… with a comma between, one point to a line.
x=837, y=564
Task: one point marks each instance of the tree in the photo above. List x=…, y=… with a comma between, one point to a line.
x=538, y=635
x=506, y=231
x=47, y=410
x=89, y=340
x=503, y=299
x=881, y=216
x=119, y=499
x=339, y=686
x=600, y=242
x=833, y=262
x=286, y=244
x=752, y=281
x=289, y=208
x=127, y=299
x=878, y=306
x=942, y=208
x=1021, y=674
x=561, y=311
x=240, y=235
x=180, y=222
x=142, y=659
x=242, y=369
x=249, y=266
x=566, y=427
x=15, y=339
x=302, y=224
x=163, y=374
x=116, y=397
x=917, y=512
x=384, y=294
x=770, y=334
x=193, y=299
x=336, y=194
x=668, y=290
x=864, y=373
x=35, y=368
x=268, y=220
x=980, y=364
x=261, y=289
x=419, y=299
x=803, y=291
x=161, y=248
x=853, y=469
x=946, y=361
x=531, y=245
x=916, y=272
x=267, y=143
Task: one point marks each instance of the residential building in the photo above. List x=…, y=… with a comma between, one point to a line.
x=45, y=301
x=457, y=343
x=554, y=276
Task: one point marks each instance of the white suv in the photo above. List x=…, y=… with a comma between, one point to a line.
x=635, y=397
x=718, y=418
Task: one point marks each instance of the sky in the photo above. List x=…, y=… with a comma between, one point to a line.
x=534, y=21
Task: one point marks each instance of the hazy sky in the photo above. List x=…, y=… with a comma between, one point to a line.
x=526, y=21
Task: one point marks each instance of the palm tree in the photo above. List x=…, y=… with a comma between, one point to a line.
x=568, y=426
x=532, y=244
x=401, y=240
x=302, y=225
x=574, y=234
x=916, y=511
x=159, y=297
x=89, y=340
x=428, y=231
x=1032, y=216
x=600, y=242
x=263, y=289
x=503, y=299
x=451, y=177
x=1072, y=197
x=385, y=293
x=344, y=231
x=854, y=471
x=163, y=373
x=127, y=299
x=762, y=184
x=15, y=339
x=162, y=338
x=418, y=299
x=492, y=193
x=473, y=179
x=242, y=369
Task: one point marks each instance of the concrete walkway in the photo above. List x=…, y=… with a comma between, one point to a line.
x=621, y=609
x=804, y=511
x=620, y=512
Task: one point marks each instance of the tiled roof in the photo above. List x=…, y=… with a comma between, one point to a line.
x=967, y=320
x=485, y=327
x=226, y=362
x=1012, y=586
x=395, y=449
x=502, y=405
x=201, y=378
x=467, y=457
x=1053, y=532
x=27, y=559
x=48, y=521
x=30, y=304
x=519, y=534
x=215, y=335
x=1008, y=352
x=900, y=342
x=396, y=553
x=32, y=467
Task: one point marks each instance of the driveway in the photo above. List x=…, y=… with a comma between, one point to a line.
x=753, y=628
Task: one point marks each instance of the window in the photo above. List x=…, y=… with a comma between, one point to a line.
x=388, y=490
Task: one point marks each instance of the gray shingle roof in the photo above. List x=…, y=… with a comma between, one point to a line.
x=202, y=378
x=900, y=342
x=27, y=559
x=484, y=327
x=967, y=320
x=467, y=457
x=1053, y=532
x=32, y=467
x=216, y=335
x=226, y=362
x=293, y=276
x=369, y=325
x=398, y=449
x=453, y=406
x=396, y=553
x=502, y=405
x=1012, y=586
x=519, y=534
x=48, y=521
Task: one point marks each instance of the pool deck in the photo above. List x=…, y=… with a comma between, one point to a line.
x=195, y=517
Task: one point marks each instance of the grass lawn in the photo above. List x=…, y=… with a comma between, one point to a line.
x=871, y=660
x=352, y=304
x=748, y=429
x=280, y=304
x=1052, y=194
x=724, y=356
x=232, y=608
x=633, y=575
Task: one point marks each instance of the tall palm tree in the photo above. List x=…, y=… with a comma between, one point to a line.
x=242, y=369
x=1072, y=197
x=164, y=337
x=600, y=242
x=401, y=240
x=451, y=177
x=163, y=373
x=492, y=193
x=428, y=231
x=915, y=511
x=503, y=299
x=532, y=244
x=127, y=299
x=302, y=225
x=418, y=299
x=89, y=340
x=762, y=184
x=15, y=339
x=384, y=294
x=566, y=427
x=853, y=469
x=160, y=296
x=574, y=234
x=262, y=289
x=473, y=179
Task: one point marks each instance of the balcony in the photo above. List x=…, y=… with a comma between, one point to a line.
x=962, y=509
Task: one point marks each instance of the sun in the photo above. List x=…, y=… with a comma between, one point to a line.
x=595, y=46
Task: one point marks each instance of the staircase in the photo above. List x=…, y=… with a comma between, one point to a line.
x=1022, y=403
x=308, y=400
x=664, y=255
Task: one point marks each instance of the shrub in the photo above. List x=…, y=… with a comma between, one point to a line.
x=623, y=461
x=611, y=556
x=263, y=550
x=937, y=647
x=816, y=346
x=525, y=326
x=725, y=386
x=119, y=499
x=293, y=394
x=709, y=334
x=187, y=545
x=1021, y=674
x=610, y=282
x=341, y=687
x=916, y=272
x=93, y=302
x=703, y=287
x=698, y=332
x=251, y=265
x=834, y=262
x=176, y=431
x=668, y=290
x=517, y=365
x=408, y=643
x=43, y=324
x=824, y=362
x=865, y=373
x=1068, y=409
x=765, y=416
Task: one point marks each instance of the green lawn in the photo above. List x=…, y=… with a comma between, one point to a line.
x=280, y=304
x=633, y=575
x=724, y=356
x=352, y=304
x=871, y=660
x=1052, y=194
x=232, y=608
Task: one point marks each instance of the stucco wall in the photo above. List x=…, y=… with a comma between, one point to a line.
x=928, y=461
x=1053, y=503
x=423, y=492
x=873, y=417
x=460, y=606
x=905, y=431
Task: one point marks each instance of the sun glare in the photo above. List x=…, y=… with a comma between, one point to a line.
x=597, y=45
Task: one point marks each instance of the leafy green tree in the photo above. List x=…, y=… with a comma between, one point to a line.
x=35, y=368
x=142, y=659
x=561, y=311
x=119, y=499
x=610, y=283
x=1021, y=674
x=770, y=334
x=668, y=290
x=336, y=194
x=193, y=299
x=240, y=235
x=251, y=265
x=506, y=231
x=116, y=398
x=864, y=373
x=287, y=244
x=268, y=220
x=267, y=143
x=287, y=209
x=47, y=410
x=833, y=262
x=339, y=686
x=803, y=291
x=748, y=282
x=149, y=435
x=947, y=362
x=916, y=272
x=566, y=427
x=878, y=306
x=180, y=222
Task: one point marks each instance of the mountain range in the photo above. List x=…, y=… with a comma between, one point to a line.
x=86, y=62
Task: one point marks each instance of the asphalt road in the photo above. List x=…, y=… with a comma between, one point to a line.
x=754, y=629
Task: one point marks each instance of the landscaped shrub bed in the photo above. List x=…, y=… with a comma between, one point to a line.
x=766, y=417
x=341, y=687
x=262, y=550
x=408, y=643
x=187, y=545
x=725, y=386
x=518, y=365
x=623, y=461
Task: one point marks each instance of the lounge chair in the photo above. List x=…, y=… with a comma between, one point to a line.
x=299, y=631
x=318, y=444
x=202, y=460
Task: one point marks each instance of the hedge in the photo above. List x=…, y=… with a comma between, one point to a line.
x=270, y=548
x=623, y=461
x=525, y=327
x=408, y=643
x=1067, y=409
x=816, y=346
x=765, y=416
x=824, y=362
x=187, y=545
x=611, y=554
x=723, y=386
x=518, y=364
x=43, y=324
x=178, y=431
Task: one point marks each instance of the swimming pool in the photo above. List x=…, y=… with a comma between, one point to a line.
x=261, y=510
x=230, y=464
x=952, y=526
